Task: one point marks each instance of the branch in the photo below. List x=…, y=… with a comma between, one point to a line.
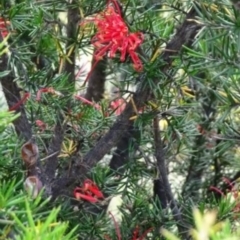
x=96, y=81
x=54, y=150
x=164, y=192
x=69, y=68
x=72, y=33
x=121, y=154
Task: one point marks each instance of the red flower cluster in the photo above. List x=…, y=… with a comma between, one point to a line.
x=113, y=35
x=89, y=192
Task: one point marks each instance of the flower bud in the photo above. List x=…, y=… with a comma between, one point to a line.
x=33, y=186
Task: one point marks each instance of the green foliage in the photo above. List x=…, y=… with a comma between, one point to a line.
x=207, y=228
x=9, y=162
x=24, y=218
x=5, y=119
x=196, y=98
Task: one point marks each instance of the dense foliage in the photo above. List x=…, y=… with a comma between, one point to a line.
x=119, y=119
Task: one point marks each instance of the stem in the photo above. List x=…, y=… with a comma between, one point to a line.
x=161, y=166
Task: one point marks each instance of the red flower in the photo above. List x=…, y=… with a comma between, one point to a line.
x=113, y=36
x=3, y=27
x=89, y=192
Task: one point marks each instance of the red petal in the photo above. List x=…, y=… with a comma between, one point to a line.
x=90, y=186
x=41, y=125
x=3, y=27
x=137, y=64
x=134, y=39
x=113, y=50
x=78, y=195
x=77, y=189
x=95, y=190
x=216, y=190
x=84, y=100
x=100, y=53
x=44, y=90
x=124, y=49
x=226, y=180
x=91, y=199
x=86, y=184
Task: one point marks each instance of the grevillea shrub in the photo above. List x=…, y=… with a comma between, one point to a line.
x=119, y=119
